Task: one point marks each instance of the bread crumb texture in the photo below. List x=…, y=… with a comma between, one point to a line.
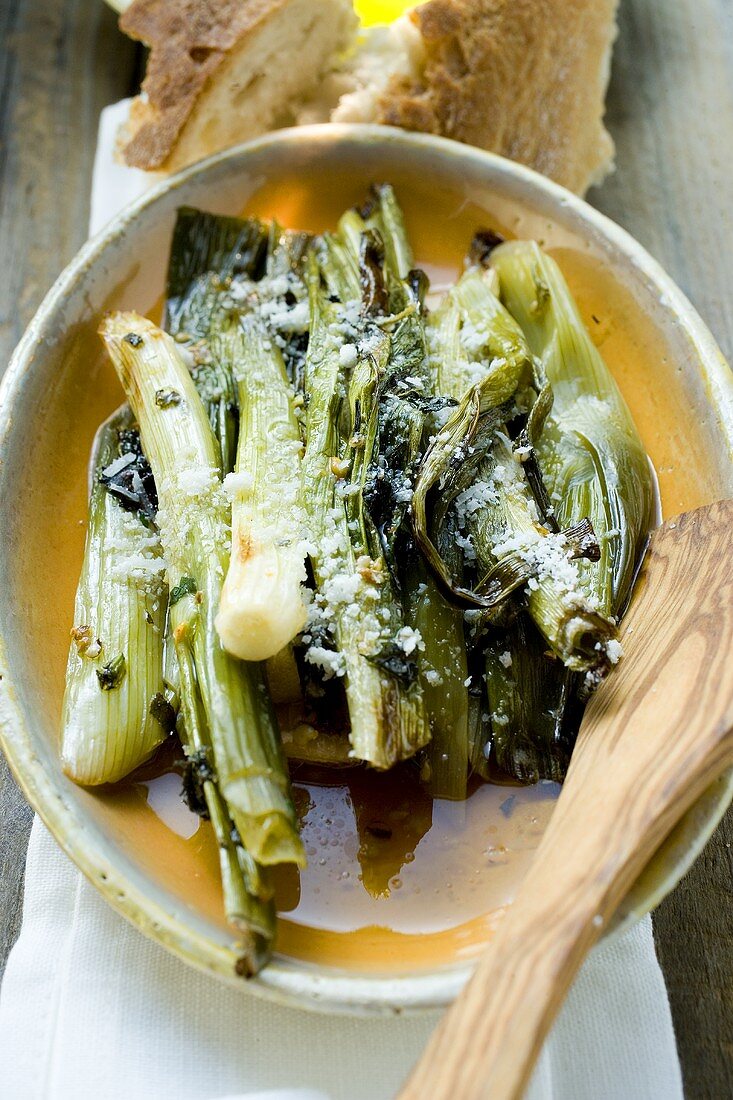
x=523, y=78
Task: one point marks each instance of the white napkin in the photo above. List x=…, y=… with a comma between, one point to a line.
x=89, y=1008
x=92, y=1009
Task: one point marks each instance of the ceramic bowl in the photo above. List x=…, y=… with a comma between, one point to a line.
x=58, y=389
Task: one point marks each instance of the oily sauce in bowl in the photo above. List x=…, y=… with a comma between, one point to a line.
x=395, y=879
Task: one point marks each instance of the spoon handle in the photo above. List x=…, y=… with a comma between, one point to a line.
x=654, y=737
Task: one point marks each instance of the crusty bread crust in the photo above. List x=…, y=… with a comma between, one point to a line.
x=188, y=42
x=524, y=78
x=221, y=71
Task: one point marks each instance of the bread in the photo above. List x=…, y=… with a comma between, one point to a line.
x=223, y=71
x=524, y=78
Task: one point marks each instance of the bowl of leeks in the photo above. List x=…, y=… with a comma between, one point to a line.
x=347, y=443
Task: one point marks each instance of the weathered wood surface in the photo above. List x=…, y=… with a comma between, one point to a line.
x=61, y=61
x=671, y=113
x=670, y=110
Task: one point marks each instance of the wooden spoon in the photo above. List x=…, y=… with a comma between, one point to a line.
x=656, y=734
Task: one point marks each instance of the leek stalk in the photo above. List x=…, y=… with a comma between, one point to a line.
x=474, y=462
x=405, y=405
x=386, y=709
x=213, y=260
x=262, y=607
x=590, y=453
x=112, y=720
x=193, y=523
x=247, y=893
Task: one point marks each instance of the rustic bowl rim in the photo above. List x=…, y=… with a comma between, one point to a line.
x=284, y=980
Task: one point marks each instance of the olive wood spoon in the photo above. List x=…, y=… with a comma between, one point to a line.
x=655, y=735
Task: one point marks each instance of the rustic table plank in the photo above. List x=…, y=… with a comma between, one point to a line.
x=61, y=61
x=671, y=112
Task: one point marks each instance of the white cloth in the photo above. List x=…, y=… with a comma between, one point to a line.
x=114, y=185
x=91, y=1010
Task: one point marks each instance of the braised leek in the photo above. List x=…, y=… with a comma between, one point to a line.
x=246, y=891
x=591, y=456
x=390, y=529
x=114, y=676
x=262, y=602
x=474, y=463
x=193, y=523
x=354, y=602
x=213, y=262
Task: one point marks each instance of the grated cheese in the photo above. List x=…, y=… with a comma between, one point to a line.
x=331, y=663
x=236, y=484
x=348, y=355
x=409, y=640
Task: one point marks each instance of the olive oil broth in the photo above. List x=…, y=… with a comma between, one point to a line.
x=394, y=881
x=394, y=878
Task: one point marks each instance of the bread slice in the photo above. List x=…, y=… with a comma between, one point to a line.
x=224, y=71
x=523, y=78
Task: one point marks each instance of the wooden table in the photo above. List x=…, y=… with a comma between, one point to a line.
x=671, y=113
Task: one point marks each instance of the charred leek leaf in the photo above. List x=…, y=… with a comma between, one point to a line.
x=115, y=666
x=193, y=522
x=213, y=260
x=529, y=704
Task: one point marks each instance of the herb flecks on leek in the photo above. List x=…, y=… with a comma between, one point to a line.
x=193, y=521
x=591, y=456
x=354, y=592
x=480, y=361
x=115, y=665
x=510, y=531
x=371, y=256
x=262, y=604
x=475, y=466
x=213, y=261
